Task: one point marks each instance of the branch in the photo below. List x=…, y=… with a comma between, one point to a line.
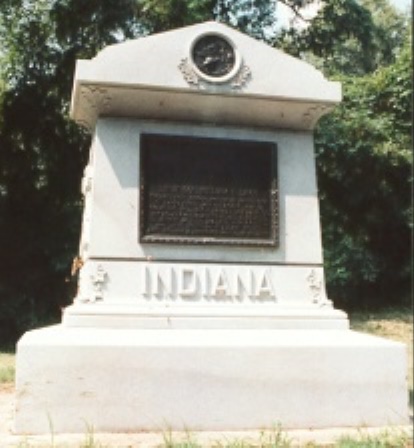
x=295, y=10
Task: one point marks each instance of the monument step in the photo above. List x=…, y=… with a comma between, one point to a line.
x=120, y=380
x=230, y=316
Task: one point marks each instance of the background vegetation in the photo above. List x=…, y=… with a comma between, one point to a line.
x=363, y=148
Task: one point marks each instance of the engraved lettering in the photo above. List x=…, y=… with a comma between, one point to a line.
x=166, y=282
x=206, y=284
x=163, y=283
x=244, y=284
x=188, y=283
x=221, y=286
x=146, y=291
x=264, y=287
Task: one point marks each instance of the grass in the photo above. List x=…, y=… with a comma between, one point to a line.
x=7, y=361
x=386, y=439
x=394, y=324
x=276, y=438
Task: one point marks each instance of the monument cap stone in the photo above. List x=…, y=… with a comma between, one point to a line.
x=265, y=86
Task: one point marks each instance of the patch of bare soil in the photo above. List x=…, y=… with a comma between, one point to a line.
x=6, y=388
x=6, y=407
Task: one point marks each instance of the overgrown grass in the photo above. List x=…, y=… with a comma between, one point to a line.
x=392, y=438
x=386, y=439
x=395, y=324
x=7, y=369
x=275, y=438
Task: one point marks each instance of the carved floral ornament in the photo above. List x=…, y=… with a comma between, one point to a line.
x=92, y=283
x=315, y=284
x=214, y=59
x=96, y=101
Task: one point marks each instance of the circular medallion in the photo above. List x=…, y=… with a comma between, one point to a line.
x=215, y=57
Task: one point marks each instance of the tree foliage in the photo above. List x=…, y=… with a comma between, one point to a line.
x=348, y=36
x=362, y=147
x=364, y=160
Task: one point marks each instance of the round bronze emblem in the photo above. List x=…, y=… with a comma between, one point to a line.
x=213, y=55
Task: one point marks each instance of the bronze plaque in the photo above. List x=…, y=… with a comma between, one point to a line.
x=208, y=191
x=213, y=55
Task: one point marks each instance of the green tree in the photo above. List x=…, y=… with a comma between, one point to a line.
x=364, y=160
x=254, y=17
x=348, y=36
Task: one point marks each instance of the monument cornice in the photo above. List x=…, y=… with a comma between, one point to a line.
x=93, y=99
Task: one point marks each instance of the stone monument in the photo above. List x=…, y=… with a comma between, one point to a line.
x=201, y=300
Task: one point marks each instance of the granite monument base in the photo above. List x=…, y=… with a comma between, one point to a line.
x=121, y=380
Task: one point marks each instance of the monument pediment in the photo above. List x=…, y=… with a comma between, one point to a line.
x=202, y=73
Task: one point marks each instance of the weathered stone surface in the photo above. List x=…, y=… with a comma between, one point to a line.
x=115, y=380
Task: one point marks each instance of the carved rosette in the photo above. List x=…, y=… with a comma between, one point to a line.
x=97, y=101
x=312, y=115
